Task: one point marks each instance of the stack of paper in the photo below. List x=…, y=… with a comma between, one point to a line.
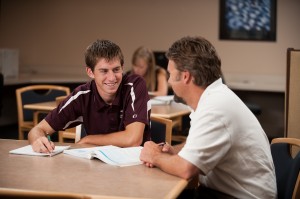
x=162, y=100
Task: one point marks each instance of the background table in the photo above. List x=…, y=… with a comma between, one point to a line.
x=173, y=111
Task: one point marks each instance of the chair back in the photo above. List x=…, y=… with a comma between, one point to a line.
x=286, y=167
x=59, y=99
x=161, y=129
x=35, y=94
x=1, y=92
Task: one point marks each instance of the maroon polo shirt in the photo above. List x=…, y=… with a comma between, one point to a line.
x=85, y=106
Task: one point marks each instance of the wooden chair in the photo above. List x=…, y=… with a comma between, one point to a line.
x=287, y=167
x=35, y=94
x=20, y=193
x=71, y=133
x=1, y=92
x=161, y=129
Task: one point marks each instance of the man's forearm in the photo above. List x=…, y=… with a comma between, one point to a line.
x=120, y=139
x=175, y=165
x=40, y=130
x=34, y=134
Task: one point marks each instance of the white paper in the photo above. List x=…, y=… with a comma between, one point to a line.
x=161, y=100
x=166, y=98
x=27, y=150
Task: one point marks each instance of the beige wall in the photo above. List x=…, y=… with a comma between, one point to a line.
x=52, y=35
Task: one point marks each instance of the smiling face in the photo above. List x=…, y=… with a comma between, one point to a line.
x=108, y=77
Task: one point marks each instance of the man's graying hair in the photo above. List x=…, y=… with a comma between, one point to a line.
x=199, y=57
x=102, y=49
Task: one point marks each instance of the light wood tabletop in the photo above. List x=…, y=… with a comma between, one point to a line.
x=170, y=111
x=67, y=174
x=41, y=106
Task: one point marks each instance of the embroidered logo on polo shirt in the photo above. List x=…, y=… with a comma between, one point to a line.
x=121, y=114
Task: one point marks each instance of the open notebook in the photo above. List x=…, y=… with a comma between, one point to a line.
x=27, y=150
x=112, y=155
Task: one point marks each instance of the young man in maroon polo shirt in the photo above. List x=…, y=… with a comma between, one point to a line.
x=113, y=108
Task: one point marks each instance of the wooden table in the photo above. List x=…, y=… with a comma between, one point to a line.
x=41, y=106
x=67, y=174
x=173, y=111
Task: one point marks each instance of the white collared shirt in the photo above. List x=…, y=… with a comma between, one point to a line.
x=227, y=143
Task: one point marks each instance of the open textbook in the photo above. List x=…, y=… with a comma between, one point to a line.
x=112, y=155
x=27, y=150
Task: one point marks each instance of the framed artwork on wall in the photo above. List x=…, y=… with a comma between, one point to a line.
x=248, y=20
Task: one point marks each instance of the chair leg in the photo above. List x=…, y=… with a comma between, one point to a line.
x=21, y=134
x=60, y=137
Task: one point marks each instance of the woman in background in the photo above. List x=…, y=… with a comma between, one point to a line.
x=143, y=64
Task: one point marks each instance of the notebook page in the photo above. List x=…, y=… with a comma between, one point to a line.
x=27, y=150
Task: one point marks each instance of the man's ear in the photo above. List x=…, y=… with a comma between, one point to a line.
x=89, y=72
x=187, y=77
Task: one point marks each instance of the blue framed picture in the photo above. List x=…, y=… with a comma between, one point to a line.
x=248, y=20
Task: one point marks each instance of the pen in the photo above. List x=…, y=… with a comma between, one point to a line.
x=49, y=139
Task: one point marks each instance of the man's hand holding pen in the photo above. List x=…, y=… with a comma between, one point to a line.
x=151, y=150
x=43, y=144
x=167, y=148
x=50, y=150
